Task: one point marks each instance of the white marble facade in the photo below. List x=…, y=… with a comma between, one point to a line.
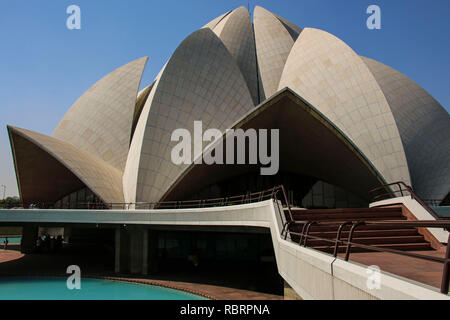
x=117, y=142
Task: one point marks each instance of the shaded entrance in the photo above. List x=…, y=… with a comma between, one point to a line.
x=231, y=259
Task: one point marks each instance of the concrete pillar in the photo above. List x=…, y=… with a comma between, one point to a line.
x=131, y=250
x=152, y=252
x=136, y=250
x=122, y=250
x=145, y=252
x=29, y=237
x=67, y=233
x=117, y=250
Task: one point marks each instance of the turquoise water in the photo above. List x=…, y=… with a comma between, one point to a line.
x=91, y=289
x=10, y=239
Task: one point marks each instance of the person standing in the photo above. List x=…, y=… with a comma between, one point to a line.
x=6, y=243
x=38, y=244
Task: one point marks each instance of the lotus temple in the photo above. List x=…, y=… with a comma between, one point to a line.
x=349, y=126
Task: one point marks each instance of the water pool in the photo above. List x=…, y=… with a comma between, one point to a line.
x=11, y=240
x=30, y=288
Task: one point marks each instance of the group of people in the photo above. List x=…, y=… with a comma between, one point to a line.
x=47, y=243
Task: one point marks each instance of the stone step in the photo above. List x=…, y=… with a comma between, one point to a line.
x=366, y=233
x=374, y=240
x=402, y=247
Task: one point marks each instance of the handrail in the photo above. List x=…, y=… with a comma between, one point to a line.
x=403, y=188
x=304, y=235
x=186, y=204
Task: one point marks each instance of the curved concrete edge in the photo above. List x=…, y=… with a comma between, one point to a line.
x=131, y=171
x=201, y=81
x=420, y=119
x=100, y=121
x=312, y=274
x=419, y=212
x=140, y=103
x=392, y=287
x=328, y=73
x=236, y=33
x=213, y=23
x=241, y=215
x=291, y=27
x=99, y=176
x=273, y=44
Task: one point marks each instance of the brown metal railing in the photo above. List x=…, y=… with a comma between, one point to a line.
x=187, y=204
x=354, y=225
x=388, y=192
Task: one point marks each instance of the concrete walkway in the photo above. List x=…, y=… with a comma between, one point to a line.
x=426, y=272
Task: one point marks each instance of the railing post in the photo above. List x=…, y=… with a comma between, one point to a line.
x=287, y=202
x=307, y=232
x=303, y=232
x=282, y=215
x=285, y=229
x=446, y=272
x=350, y=238
x=338, y=237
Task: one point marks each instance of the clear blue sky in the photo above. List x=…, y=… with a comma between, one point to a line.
x=44, y=67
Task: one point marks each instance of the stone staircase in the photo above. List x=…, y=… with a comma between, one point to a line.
x=398, y=238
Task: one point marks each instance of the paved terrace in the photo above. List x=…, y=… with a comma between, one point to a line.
x=311, y=274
